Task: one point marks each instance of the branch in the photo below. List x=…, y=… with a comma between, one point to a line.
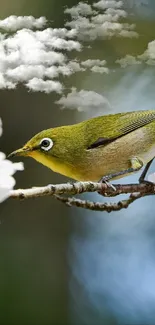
x=136, y=190
x=98, y=206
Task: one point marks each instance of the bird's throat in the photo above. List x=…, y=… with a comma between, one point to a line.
x=52, y=163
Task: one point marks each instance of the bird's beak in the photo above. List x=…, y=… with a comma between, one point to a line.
x=20, y=152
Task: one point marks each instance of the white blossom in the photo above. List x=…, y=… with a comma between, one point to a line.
x=7, y=170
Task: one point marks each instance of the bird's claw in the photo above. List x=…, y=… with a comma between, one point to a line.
x=105, y=181
x=109, y=185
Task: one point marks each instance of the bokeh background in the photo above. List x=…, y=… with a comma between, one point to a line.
x=62, y=265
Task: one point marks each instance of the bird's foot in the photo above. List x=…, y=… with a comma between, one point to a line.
x=105, y=180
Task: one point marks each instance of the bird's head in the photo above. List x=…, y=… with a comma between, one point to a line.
x=42, y=143
x=49, y=147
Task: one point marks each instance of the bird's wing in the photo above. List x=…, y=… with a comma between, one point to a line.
x=114, y=127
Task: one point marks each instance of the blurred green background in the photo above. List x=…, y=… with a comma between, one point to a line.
x=70, y=266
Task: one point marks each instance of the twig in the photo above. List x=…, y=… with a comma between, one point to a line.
x=98, y=206
x=136, y=190
x=81, y=187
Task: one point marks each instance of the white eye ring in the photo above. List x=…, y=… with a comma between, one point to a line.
x=46, y=144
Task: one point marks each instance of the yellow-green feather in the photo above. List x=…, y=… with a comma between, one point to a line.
x=132, y=134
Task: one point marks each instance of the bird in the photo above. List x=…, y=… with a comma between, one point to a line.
x=101, y=148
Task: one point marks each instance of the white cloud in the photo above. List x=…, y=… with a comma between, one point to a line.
x=65, y=70
x=82, y=9
x=90, y=63
x=127, y=60
x=71, y=33
x=101, y=18
x=147, y=57
x=79, y=24
x=39, y=56
x=149, y=54
x=55, y=39
x=30, y=49
x=150, y=62
x=111, y=15
x=69, y=45
x=46, y=86
x=90, y=27
x=47, y=34
x=98, y=69
x=34, y=55
x=88, y=31
x=50, y=72
x=83, y=100
x=75, y=66
x=116, y=13
x=4, y=83
x=105, y=4
x=13, y=23
x=70, y=68
x=128, y=33
x=26, y=72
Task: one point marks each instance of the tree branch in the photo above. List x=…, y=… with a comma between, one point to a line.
x=136, y=190
x=98, y=206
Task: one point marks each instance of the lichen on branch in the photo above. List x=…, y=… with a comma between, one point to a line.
x=136, y=191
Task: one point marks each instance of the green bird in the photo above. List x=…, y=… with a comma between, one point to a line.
x=104, y=147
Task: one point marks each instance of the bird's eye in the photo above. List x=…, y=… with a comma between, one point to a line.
x=46, y=144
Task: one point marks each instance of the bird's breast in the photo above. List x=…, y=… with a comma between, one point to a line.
x=53, y=163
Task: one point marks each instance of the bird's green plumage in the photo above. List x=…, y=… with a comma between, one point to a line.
x=124, y=135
